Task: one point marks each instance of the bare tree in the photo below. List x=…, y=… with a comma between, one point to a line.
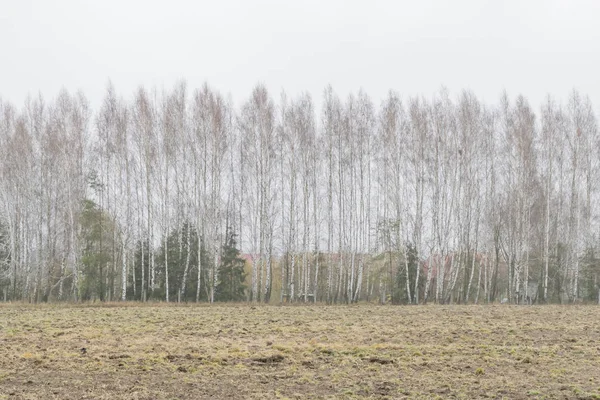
x=257, y=126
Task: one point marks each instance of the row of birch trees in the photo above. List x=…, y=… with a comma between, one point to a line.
x=413, y=200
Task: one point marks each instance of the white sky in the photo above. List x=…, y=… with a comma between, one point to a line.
x=530, y=47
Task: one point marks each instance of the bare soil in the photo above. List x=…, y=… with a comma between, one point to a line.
x=255, y=352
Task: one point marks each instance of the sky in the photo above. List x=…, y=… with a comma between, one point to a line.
x=534, y=47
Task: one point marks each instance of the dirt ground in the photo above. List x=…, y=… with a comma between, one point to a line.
x=258, y=352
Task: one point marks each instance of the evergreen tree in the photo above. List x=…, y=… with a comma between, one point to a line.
x=97, y=231
x=400, y=293
x=231, y=272
x=180, y=256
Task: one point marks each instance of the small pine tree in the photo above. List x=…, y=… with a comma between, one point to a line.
x=178, y=257
x=96, y=234
x=231, y=272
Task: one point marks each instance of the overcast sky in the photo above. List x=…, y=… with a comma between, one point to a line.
x=530, y=47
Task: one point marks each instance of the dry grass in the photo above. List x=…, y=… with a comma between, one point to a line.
x=158, y=352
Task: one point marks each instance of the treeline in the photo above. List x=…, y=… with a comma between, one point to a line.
x=181, y=196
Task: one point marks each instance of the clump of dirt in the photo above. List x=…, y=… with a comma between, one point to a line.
x=276, y=358
x=382, y=361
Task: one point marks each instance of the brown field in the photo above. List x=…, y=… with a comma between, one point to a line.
x=185, y=352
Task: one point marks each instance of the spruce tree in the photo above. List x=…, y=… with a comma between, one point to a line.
x=231, y=272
